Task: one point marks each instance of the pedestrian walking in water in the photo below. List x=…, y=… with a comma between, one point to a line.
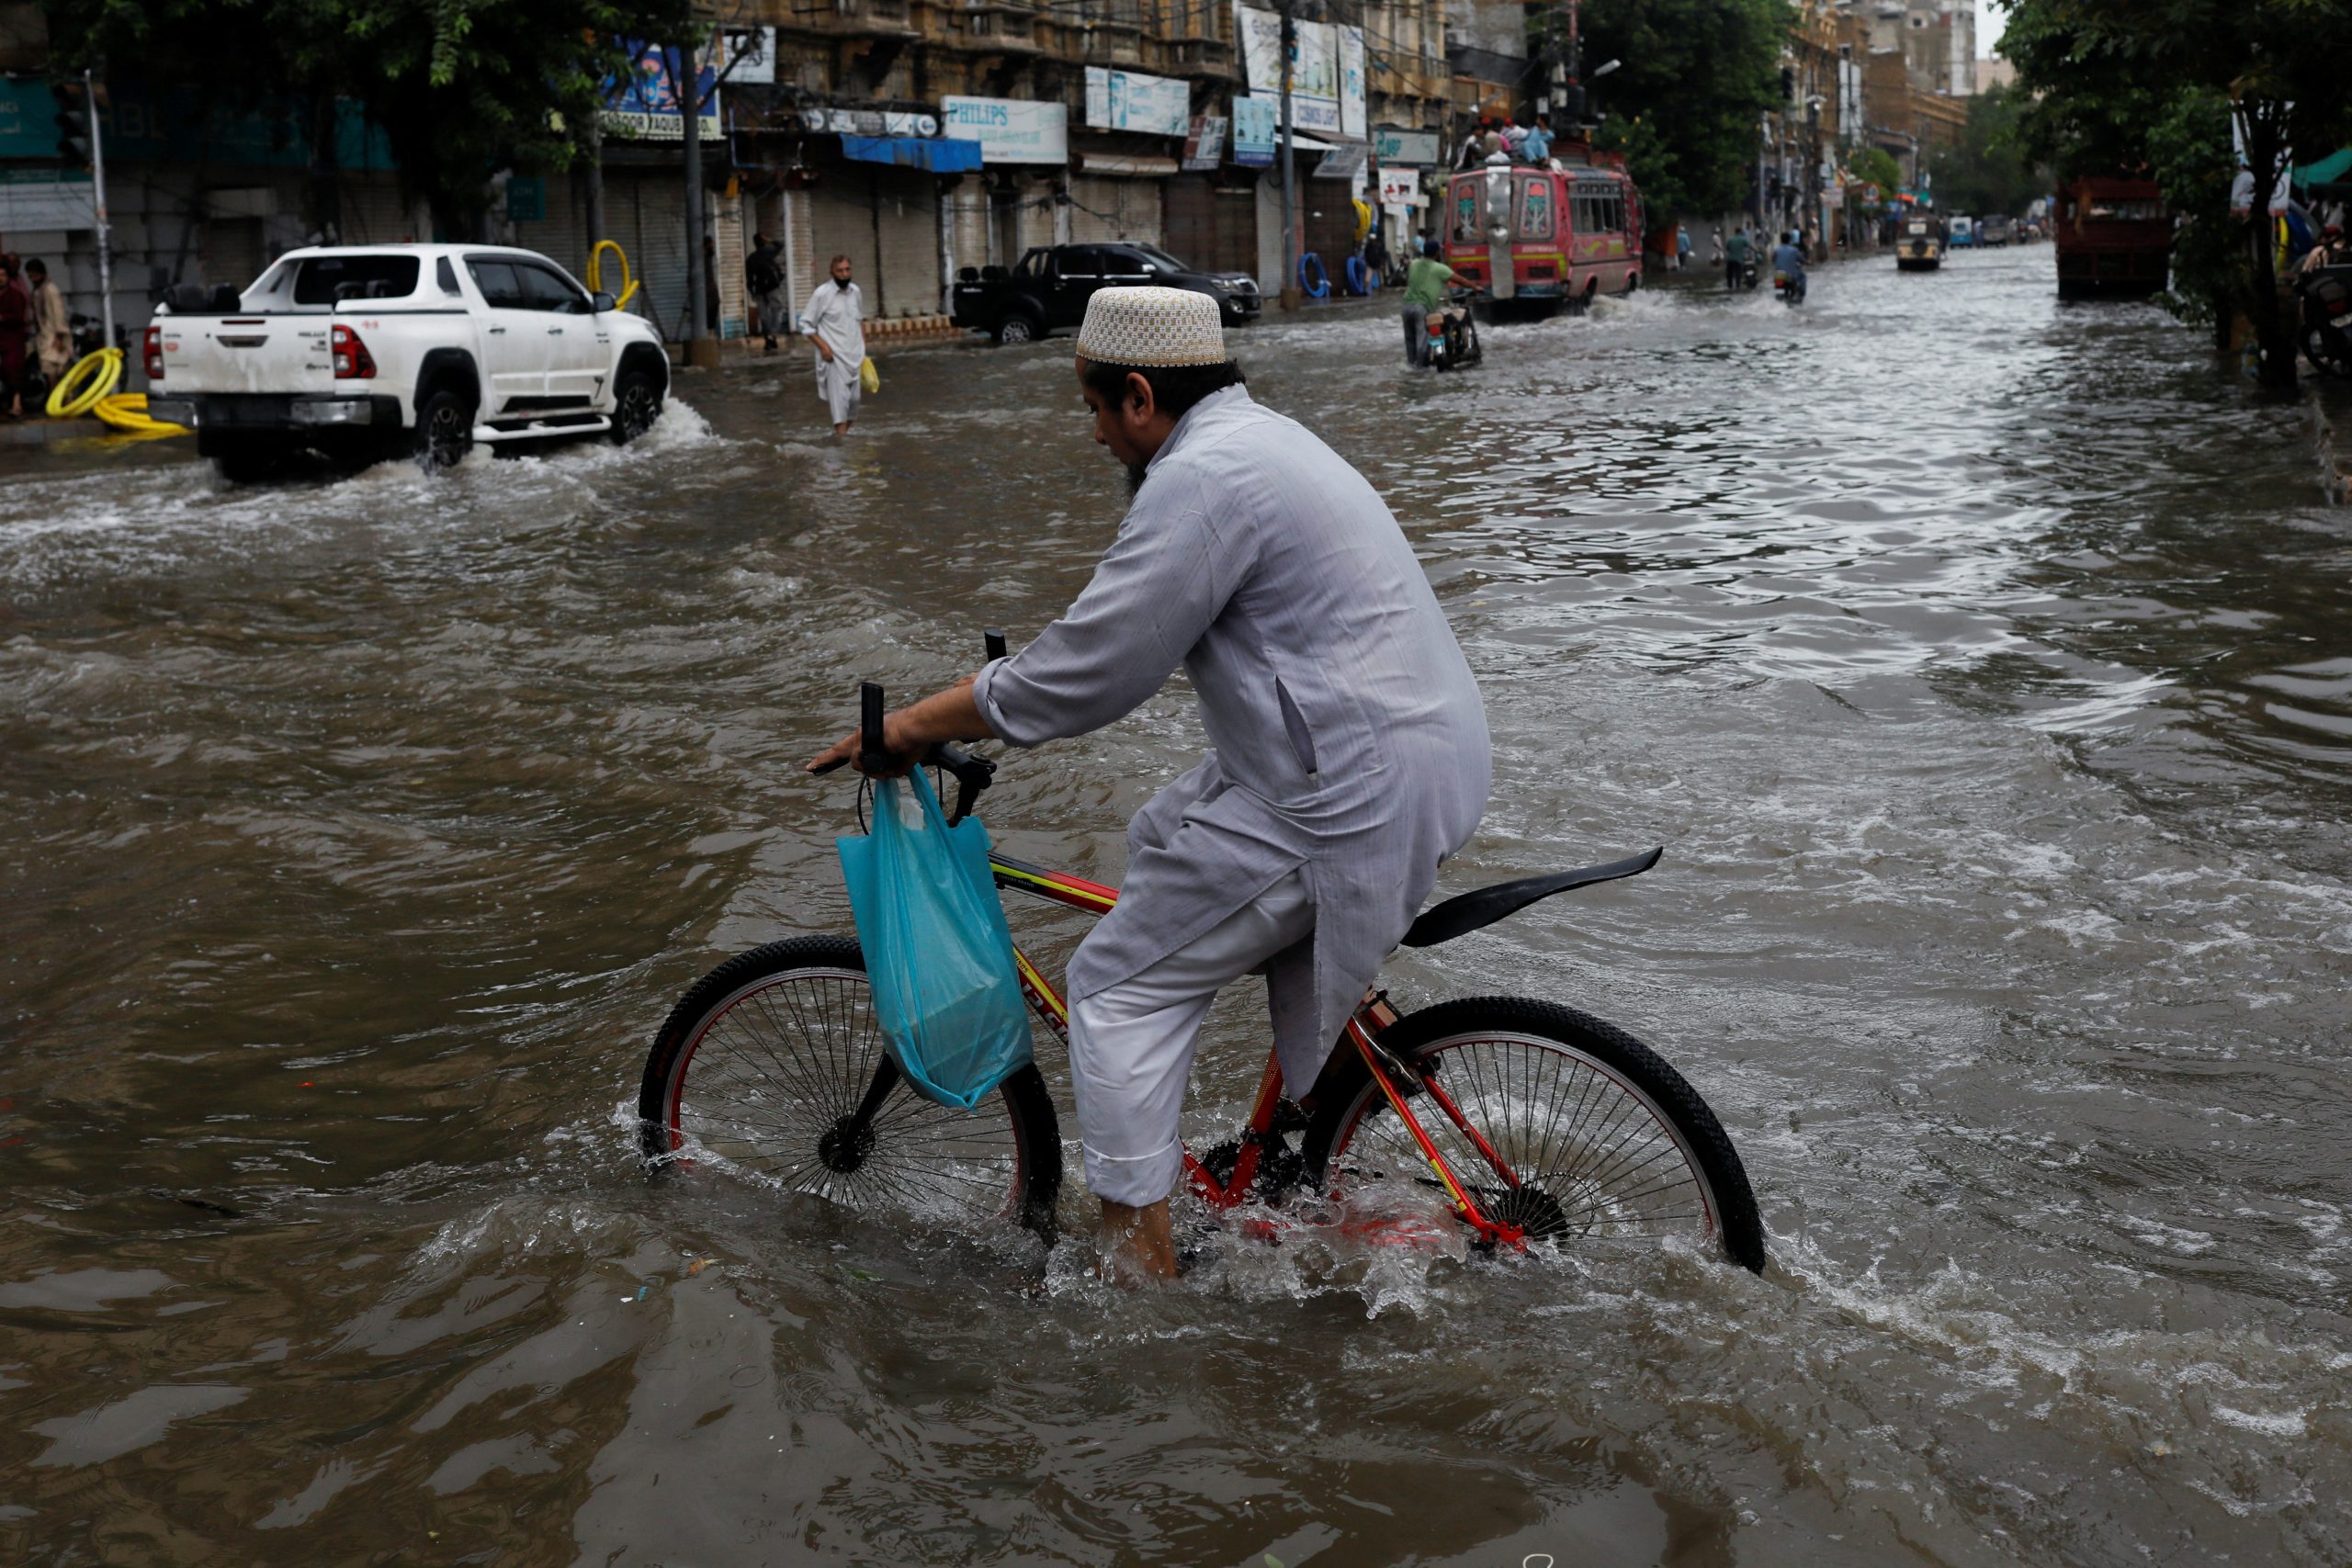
x=53, y=328
x=834, y=323
x=764, y=276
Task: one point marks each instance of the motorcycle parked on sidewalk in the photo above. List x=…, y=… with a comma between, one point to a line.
x=2326, y=304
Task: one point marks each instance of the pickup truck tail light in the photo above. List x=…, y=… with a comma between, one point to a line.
x=153, y=346
x=351, y=356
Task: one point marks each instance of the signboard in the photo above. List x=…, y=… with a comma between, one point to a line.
x=45, y=198
x=1256, y=122
x=526, y=198
x=1401, y=188
x=1391, y=145
x=1344, y=161
x=1204, y=144
x=136, y=126
x=1129, y=100
x=1326, y=80
x=642, y=102
x=1010, y=130
x=870, y=122
x=748, y=54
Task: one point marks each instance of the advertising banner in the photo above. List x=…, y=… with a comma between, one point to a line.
x=749, y=54
x=1328, y=84
x=1129, y=101
x=1204, y=145
x=1256, y=123
x=1416, y=147
x=1401, y=188
x=642, y=102
x=1010, y=130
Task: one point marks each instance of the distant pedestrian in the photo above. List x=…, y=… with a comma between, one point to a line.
x=16, y=329
x=1681, y=246
x=833, y=321
x=764, y=276
x=1715, y=248
x=1537, y=148
x=53, y=328
x=1735, y=253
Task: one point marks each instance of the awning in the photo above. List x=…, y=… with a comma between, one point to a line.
x=943, y=154
x=1120, y=164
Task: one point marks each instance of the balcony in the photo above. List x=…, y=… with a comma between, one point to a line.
x=870, y=18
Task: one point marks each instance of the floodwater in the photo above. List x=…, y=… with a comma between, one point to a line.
x=1982, y=663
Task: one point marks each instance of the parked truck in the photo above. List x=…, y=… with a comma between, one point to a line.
x=359, y=353
x=1049, y=288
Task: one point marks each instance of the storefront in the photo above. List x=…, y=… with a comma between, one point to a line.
x=1012, y=206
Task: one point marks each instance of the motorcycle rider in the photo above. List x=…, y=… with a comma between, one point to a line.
x=1788, y=259
x=1737, y=251
x=1425, y=283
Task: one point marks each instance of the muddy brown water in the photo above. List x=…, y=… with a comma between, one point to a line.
x=1982, y=664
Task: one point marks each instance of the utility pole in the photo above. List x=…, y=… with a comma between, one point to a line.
x=99, y=200
x=595, y=179
x=1290, y=295
x=700, y=350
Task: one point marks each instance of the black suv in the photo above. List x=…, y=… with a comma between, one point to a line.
x=1050, y=285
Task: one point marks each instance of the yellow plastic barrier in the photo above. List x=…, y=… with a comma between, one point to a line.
x=127, y=411
x=596, y=272
x=106, y=367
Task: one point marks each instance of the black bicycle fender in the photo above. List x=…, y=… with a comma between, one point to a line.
x=1482, y=907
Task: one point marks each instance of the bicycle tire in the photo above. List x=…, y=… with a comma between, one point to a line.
x=768, y=1090
x=1613, y=1078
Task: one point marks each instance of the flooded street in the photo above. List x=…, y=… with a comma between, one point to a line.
x=1982, y=663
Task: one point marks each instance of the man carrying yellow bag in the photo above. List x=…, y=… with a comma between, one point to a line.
x=833, y=321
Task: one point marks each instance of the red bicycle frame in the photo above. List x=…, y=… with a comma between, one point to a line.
x=1370, y=1020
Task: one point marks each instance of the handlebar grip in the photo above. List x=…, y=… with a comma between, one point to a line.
x=871, y=756
x=993, y=640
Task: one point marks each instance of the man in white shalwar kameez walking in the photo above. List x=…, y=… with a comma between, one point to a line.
x=833, y=321
x=1348, y=754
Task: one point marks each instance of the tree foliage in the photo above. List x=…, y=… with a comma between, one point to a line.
x=2132, y=84
x=1988, y=170
x=1684, y=108
x=1876, y=166
x=461, y=88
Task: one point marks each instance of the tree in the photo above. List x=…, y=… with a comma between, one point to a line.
x=1698, y=74
x=2123, y=81
x=1875, y=166
x=461, y=88
x=1988, y=170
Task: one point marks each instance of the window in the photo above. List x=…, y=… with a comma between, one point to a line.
x=501, y=290
x=1535, y=209
x=1120, y=262
x=1078, y=260
x=446, y=276
x=325, y=279
x=549, y=290
x=1032, y=264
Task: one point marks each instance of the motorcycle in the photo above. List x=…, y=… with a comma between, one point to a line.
x=1452, y=341
x=1788, y=287
x=2326, y=318
x=1747, y=276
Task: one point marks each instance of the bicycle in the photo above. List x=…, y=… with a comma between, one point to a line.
x=1538, y=1123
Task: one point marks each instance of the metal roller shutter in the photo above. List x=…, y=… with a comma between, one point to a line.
x=648, y=216
x=906, y=210
x=1212, y=225
x=1331, y=221
x=1107, y=207
x=841, y=222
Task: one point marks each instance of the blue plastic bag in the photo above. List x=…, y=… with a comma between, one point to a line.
x=938, y=956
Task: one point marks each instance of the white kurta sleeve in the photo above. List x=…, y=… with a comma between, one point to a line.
x=1158, y=588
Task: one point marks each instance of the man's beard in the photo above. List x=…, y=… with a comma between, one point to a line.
x=1135, y=473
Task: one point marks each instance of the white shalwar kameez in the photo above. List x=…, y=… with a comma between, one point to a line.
x=834, y=316
x=1349, y=755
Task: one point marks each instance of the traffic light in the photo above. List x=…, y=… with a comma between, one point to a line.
x=73, y=124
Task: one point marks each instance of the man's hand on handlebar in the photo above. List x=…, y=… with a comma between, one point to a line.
x=911, y=732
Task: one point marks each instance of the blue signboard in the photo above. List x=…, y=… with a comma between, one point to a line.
x=642, y=102
x=1255, y=125
x=178, y=126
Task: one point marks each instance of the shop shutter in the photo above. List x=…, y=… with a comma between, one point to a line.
x=1331, y=224
x=648, y=216
x=1212, y=225
x=906, y=210
x=1106, y=207
x=841, y=222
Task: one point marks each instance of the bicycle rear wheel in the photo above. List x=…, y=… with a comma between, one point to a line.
x=765, y=1063
x=1606, y=1141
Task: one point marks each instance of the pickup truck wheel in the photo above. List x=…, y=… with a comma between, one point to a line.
x=1019, y=328
x=637, y=405
x=444, y=431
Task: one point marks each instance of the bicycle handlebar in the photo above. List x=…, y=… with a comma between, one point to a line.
x=972, y=774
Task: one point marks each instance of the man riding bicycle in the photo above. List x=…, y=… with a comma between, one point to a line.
x=1349, y=750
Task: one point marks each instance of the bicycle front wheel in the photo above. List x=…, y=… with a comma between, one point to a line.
x=1592, y=1136
x=769, y=1066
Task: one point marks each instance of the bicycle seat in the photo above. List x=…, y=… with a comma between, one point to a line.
x=1480, y=908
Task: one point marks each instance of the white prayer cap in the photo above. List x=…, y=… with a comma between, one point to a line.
x=1151, y=326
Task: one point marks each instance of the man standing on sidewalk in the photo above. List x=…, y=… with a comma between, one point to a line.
x=764, y=276
x=53, y=328
x=834, y=323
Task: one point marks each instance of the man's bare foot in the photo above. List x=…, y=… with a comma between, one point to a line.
x=1139, y=1245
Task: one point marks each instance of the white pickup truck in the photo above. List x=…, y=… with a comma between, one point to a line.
x=359, y=353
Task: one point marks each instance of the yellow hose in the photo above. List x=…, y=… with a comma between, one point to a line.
x=596, y=272
x=106, y=365
x=127, y=411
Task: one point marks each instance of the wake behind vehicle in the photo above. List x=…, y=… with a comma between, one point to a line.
x=1047, y=290
x=1919, y=243
x=1535, y=239
x=359, y=353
